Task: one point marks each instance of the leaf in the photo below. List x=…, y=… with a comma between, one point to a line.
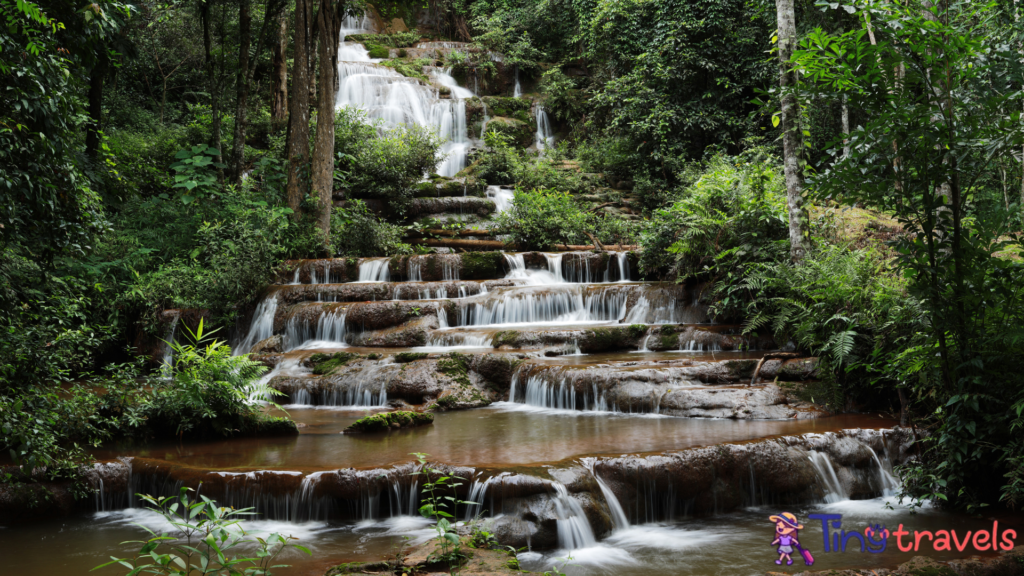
x=775, y=121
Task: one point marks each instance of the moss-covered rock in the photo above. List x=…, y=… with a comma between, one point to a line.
x=482, y=265
x=403, y=357
x=389, y=421
x=505, y=106
x=519, y=132
x=326, y=363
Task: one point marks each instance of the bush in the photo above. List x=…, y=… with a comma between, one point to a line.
x=543, y=218
x=734, y=214
x=356, y=231
x=501, y=164
x=387, y=166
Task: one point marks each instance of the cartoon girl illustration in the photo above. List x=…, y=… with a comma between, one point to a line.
x=787, y=538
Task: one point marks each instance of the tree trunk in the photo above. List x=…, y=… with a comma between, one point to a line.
x=298, y=112
x=279, y=84
x=792, y=144
x=211, y=85
x=92, y=136
x=328, y=22
x=846, y=127
x=242, y=90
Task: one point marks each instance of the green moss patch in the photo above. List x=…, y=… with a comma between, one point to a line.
x=403, y=357
x=396, y=40
x=481, y=265
x=326, y=363
x=505, y=338
x=389, y=421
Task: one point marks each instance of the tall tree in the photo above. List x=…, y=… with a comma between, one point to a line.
x=328, y=23
x=241, y=89
x=279, y=84
x=210, y=67
x=792, y=141
x=298, y=112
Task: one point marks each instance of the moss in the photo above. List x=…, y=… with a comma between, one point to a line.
x=668, y=329
x=446, y=402
x=519, y=132
x=326, y=363
x=637, y=330
x=402, y=53
x=403, y=357
x=456, y=367
x=377, y=51
x=358, y=568
x=265, y=425
x=669, y=341
x=481, y=265
x=390, y=420
x=373, y=356
x=396, y=40
x=407, y=69
x=601, y=339
x=505, y=338
x=352, y=269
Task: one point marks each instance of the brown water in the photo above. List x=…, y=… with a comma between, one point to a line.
x=727, y=544
x=505, y=434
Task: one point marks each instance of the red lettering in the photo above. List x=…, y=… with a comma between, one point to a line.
x=983, y=545
x=918, y=536
x=900, y=533
x=1008, y=540
x=941, y=541
x=960, y=547
x=995, y=535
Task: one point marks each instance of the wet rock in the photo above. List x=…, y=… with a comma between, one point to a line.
x=270, y=345
x=389, y=421
x=798, y=369
x=458, y=204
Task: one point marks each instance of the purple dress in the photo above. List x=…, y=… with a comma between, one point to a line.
x=786, y=544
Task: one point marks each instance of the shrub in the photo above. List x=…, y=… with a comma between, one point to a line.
x=388, y=166
x=734, y=214
x=356, y=231
x=543, y=218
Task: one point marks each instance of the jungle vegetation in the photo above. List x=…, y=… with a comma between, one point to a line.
x=844, y=175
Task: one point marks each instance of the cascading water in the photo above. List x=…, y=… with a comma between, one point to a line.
x=262, y=326
x=618, y=515
x=827, y=477
x=574, y=531
x=567, y=305
x=545, y=137
x=517, y=91
x=383, y=94
x=502, y=198
x=167, y=361
x=374, y=270
x=330, y=330
x=558, y=394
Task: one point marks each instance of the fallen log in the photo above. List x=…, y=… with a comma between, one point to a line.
x=448, y=233
x=771, y=356
x=469, y=245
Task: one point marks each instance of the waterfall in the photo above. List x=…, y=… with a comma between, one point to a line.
x=558, y=394
x=567, y=305
x=619, y=520
x=374, y=270
x=502, y=198
x=167, y=361
x=555, y=266
x=414, y=273
x=354, y=51
x=827, y=477
x=386, y=95
x=623, y=260
x=545, y=137
x=517, y=91
x=262, y=326
x=574, y=529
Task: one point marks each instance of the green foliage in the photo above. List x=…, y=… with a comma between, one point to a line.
x=543, y=218
x=849, y=308
x=384, y=163
x=209, y=390
x=929, y=139
x=394, y=40
x=439, y=507
x=502, y=162
x=195, y=172
x=680, y=80
x=356, y=231
x=563, y=96
x=206, y=539
x=733, y=215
